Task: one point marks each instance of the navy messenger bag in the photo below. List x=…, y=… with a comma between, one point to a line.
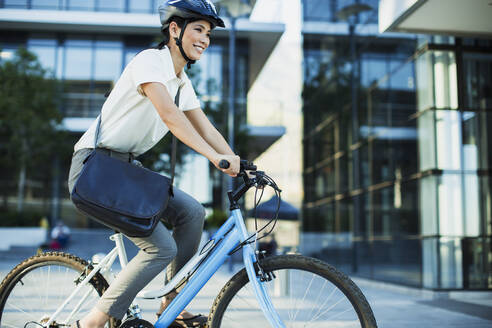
x=123, y=196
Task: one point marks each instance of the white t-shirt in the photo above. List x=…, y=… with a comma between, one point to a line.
x=130, y=123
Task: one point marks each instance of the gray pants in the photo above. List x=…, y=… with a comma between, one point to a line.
x=184, y=213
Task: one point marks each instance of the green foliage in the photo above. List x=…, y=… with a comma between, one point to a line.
x=29, y=119
x=23, y=219
x=216, y=218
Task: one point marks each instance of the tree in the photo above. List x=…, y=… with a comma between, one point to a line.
x=29, y=121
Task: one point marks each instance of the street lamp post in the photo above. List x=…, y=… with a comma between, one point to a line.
x=235, y=9
x=349, y=14
x=232, y=84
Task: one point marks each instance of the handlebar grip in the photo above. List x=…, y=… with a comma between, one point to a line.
x=224, y=164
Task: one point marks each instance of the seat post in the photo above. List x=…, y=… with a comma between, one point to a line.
x=118, y=240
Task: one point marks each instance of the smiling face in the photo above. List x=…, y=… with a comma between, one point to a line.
x=196, y=38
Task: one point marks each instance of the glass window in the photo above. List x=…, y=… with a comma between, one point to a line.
x=345, y=213
x=445, y=80
x=451, y=256
x=78, y=60
x=383, y=212
x=402, y=75
x=430, y=262
x=471, y=194
x=437, y=85
x=428, y=205
x=111, y=5
x=45, y=4
x=108, y=60
x=325, y=181
x=328, y=216
x=450, y=203
x=397, y=260
x=470, y=141
x=81, y=4
x=15, y=3
x=425, y=94
x=485, y=196
x=327, y=143
x=477, y=70
x=373, y=69
x=328, y=172
x=448, y=139
x=45, y=49
x=381, y=161
x=426, y=141
x=343, y=173
x=405, y=154
x=60, y=53
x=319, y=10
x=406, y=201
x=210, y=70
x=46, y=56
x=476, y=272
x=139, y=6
x=77, y=99
x=364, y=175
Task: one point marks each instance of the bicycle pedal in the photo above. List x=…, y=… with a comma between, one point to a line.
x=136, y=323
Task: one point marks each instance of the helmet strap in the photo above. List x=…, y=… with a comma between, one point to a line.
x=179, y=43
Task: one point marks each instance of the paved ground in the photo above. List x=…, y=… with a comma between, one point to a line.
x=394, y=306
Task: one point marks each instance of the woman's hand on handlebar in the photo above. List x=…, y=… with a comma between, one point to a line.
x=234, y=163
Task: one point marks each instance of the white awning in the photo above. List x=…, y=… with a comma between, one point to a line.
x=471, y=18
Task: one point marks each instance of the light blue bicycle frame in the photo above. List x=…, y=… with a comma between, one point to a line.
x=230, y=234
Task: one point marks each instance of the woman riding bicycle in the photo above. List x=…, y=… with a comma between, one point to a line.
x=139, y=111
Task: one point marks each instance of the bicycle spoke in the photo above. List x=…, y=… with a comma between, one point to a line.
x=319, y=295
x=22, y=311
x=328, y=309
x=8, y=325
x=304, y=297
x=47, y=285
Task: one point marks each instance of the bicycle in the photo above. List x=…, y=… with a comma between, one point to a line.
x=278, y=291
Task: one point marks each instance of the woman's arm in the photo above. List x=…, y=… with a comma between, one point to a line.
x=208, y=131
x=181, y=127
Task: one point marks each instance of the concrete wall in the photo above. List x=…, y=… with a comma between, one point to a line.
x=275, y=99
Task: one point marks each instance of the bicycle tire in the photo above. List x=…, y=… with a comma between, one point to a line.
x=22, y=303
x=228, y=309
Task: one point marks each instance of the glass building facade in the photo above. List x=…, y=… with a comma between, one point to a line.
x=396, y=164
x=131, y=6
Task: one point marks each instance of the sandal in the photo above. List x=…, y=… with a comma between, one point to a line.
x=195, y=321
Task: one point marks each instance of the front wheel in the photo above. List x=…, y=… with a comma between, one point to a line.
x=305, y=292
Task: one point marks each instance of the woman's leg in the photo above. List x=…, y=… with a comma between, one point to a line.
x=156, y=252
x=186, y=215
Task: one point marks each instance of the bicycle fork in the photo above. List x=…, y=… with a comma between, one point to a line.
x=259, y=287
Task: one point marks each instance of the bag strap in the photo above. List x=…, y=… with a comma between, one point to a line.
x=174, y=143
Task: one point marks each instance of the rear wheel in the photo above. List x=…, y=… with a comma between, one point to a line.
x=305, y=293
x=37, y=287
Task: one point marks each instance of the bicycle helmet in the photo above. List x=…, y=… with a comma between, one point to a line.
x=188, y=10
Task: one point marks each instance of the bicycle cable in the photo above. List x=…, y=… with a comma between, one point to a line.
x=261, y=182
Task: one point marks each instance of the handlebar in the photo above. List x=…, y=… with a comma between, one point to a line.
x=245, y=165
x=260, y=179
